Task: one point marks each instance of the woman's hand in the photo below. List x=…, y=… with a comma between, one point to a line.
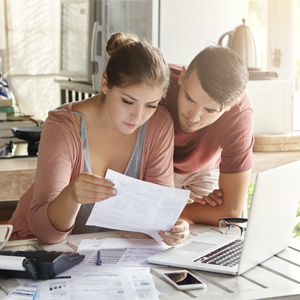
x=177, y=234
x=213, y=199
x=89, y=188
x=86, y=188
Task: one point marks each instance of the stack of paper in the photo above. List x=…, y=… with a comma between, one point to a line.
x=124, y=274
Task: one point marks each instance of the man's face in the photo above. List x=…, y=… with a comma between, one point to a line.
x=196, y=109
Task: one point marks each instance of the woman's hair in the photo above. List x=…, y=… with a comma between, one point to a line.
x=221, y=72
x=133, y=61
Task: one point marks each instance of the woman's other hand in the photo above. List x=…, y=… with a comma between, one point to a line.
x=177, y=234
x=89, y=188
x=190, y=201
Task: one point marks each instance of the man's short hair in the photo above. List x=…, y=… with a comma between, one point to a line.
x=222, y=74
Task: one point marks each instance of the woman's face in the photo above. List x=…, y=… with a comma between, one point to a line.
x=131, y=106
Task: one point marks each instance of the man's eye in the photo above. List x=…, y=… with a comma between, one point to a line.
x=127, y=102
x=210, y=111
x=188, y=98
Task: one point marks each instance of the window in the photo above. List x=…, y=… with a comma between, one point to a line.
x=277, y=26
x=258, y=19
x=297, y=71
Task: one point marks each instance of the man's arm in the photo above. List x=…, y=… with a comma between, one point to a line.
x=234, y=188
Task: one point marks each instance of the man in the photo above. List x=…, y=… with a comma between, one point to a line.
x=213, y=133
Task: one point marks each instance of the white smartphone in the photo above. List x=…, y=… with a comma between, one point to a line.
x=183, y=280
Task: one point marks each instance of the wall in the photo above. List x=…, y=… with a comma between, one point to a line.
x=2, y=37
x=187, y=26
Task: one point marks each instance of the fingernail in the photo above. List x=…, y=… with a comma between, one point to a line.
x=115, y=192
x=167, y=233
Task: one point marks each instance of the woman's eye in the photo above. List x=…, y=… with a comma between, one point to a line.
x=152, y=106
x=127, y=102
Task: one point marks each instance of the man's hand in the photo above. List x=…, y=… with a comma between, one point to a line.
x=234, y=188
x=213, y=199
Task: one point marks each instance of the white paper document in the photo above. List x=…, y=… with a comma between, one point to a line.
x=122, y=275
x=27, y=291
x=114, y=283
x=139, y=206
x=102, y=283
x=117, y=283
x=54, y=289
x=115, y=252
x=105, y=283
x=126, y=252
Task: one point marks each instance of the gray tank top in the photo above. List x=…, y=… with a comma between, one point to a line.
x=132, y=170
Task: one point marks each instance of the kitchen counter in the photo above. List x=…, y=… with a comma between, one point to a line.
x=16, y=175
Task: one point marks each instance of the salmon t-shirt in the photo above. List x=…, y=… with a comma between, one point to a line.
x=226, y=143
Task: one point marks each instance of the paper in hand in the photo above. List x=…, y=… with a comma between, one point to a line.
x=139, y=206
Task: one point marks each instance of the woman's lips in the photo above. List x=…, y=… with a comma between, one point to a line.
x=131, y=126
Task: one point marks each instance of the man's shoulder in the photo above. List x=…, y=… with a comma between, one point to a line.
x=240, y=108
x=239, y=116
x=175, y=69
x=244, y=102
x=160, y=125
x=161, y=116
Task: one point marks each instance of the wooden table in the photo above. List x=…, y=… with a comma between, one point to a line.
x=276, y=278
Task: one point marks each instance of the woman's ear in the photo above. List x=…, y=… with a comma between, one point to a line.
x=104, y=84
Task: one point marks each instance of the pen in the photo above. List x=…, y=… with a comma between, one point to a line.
x=98, y=262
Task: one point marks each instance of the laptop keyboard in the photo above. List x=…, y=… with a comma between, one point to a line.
x=228, y=255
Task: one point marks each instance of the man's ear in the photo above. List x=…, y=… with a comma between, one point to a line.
x=104, y=85
x=182, y=75
x=233, y=103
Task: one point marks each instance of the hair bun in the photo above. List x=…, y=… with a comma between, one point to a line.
x=118, y=40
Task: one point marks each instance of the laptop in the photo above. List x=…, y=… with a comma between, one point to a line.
x=269, y=229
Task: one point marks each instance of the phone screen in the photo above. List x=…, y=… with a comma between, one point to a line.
x=183, y=278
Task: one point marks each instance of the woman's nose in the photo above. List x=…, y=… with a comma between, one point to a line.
x=136, y=114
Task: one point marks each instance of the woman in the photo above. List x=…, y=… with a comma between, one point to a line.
x=122, y=129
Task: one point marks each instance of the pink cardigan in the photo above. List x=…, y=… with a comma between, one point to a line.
x=60, y=161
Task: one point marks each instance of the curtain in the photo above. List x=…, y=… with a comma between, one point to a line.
x=33, y=43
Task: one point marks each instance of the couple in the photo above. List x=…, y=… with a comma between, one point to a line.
x=150, y=120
